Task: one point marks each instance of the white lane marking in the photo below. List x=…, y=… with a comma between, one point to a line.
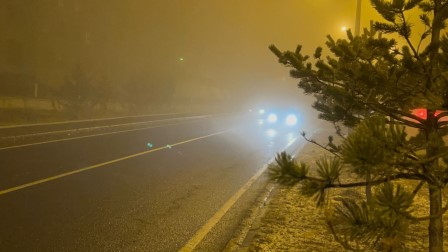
x=107, y=126
x=87, y=120
x=62, y=175
x=95, y=135
x=207, y=227
x=81, y=137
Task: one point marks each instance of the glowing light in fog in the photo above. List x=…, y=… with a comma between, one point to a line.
x=272, y=118
x=261, y=111
x=271, y=132
x=291, y=120
x=260, y=122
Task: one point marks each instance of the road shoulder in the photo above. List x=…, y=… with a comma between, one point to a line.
x=284, y=220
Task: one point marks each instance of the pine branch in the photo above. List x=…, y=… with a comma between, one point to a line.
x=393, y=113
x=422, y=161
x=338, y=131
x=320, y=145
x=415, y=51
x=343, y=243
x=329, y=83
x=398, y=176
x=441, y=115
x=423, y=37
x=417, y=189
x=389, y=111
x=442, y=125
x=407, y=35
x=423, y=218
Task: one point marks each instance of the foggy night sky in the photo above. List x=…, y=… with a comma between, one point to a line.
x=224, y=43
x=228, y=40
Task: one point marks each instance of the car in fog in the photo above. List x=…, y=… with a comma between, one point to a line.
x=278, y=119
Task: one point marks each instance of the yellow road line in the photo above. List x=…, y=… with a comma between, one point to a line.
x=41, y=181
x=204, y=230
x=207, y=227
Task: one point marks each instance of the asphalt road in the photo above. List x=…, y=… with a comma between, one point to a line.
x=141, y=190
x=17, y=130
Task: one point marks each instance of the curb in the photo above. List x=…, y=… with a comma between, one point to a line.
x=251, y=224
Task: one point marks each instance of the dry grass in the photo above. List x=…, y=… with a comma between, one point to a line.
x=293, y=223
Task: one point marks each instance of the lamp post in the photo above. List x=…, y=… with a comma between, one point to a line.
x=358, y=17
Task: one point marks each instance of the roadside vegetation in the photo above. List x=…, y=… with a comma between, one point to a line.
x=78, y=96
x=81, y=95
x=367, y=87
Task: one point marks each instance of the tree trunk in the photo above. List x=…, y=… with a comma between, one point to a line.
x=435, y=228
x=368, y=188
x=436, y=223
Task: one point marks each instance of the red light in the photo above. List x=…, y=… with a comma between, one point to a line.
x=420, y=112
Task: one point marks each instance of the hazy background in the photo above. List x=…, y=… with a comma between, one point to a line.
x=197, y=50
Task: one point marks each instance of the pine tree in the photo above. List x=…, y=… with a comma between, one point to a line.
x=371, y=83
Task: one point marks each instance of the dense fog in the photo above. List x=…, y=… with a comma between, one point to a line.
x=144, y=56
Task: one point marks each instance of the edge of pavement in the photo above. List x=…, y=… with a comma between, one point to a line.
x=249, y=227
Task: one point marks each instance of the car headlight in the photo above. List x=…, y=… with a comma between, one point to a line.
x=272, y=118
x=291, y=120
